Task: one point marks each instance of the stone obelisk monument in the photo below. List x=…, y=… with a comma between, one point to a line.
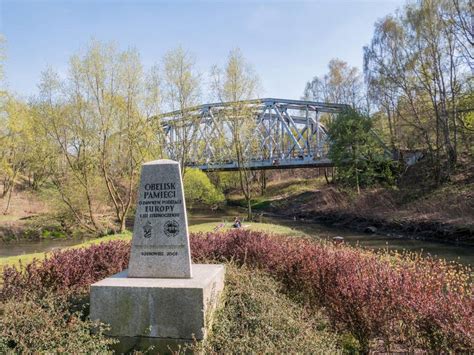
x=161, y=296
x=160, y=244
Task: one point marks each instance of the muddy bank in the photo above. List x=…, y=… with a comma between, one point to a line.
x=419, y=230
x=446, y=215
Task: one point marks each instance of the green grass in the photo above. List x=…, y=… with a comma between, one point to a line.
x=205, y=227
x=278, y=190
x=254, y=226
x=28, y=258
x=294, y=186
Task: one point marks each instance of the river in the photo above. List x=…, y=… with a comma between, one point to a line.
x=462, y=254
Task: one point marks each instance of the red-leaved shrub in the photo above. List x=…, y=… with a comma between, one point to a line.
x=418, y=302
x=404, y=299
x=66, y=270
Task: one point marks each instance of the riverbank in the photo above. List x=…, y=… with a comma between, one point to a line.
x=31, y=217
x=411, y=229
x=444, y=214
x=26, y=258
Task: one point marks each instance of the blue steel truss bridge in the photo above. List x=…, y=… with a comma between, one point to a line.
x=277, y=134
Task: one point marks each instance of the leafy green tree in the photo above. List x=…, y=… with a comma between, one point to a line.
x=25, y=154
x=14, y=137
x=234, y=84
x=181, y=91
x=342, y=84
x=225, y=181
x=199, y=189
x=418, y=67
x=98, y=119
x=358, y=155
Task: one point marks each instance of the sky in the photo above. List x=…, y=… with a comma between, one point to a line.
x=287, y=42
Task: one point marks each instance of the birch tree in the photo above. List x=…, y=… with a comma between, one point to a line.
x=417, y=69
x=237, y=83
x=342, y=84
x=181, y=90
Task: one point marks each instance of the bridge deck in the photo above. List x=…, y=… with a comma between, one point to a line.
x=266, y=164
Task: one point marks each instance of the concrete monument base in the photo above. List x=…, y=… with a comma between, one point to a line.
x=161, y=308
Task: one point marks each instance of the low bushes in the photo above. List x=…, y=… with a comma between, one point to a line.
x=47, y=325
x=395, y=299
x=66, y=271
x=409, y=300
x=256, y=318
x=44, y=304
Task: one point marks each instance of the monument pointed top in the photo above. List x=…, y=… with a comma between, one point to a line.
x=161, y=161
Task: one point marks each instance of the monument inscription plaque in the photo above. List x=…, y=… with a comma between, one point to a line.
x=160, y=243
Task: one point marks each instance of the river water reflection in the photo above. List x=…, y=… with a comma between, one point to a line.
x=27, y=247
x=461, y=254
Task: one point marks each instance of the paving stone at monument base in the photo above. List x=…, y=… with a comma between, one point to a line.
x=158, y=308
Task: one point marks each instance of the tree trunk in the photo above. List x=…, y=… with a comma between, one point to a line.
x=122, y=224
x=263, y=181
x=391, y=130
x=355, y=159
x=249, y=209
x=9, y=199
x=357, y=181
x=326, y=176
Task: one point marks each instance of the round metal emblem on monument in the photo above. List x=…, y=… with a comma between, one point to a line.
x=171, y=228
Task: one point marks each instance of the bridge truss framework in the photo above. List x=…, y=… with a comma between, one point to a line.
x=283, y=134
